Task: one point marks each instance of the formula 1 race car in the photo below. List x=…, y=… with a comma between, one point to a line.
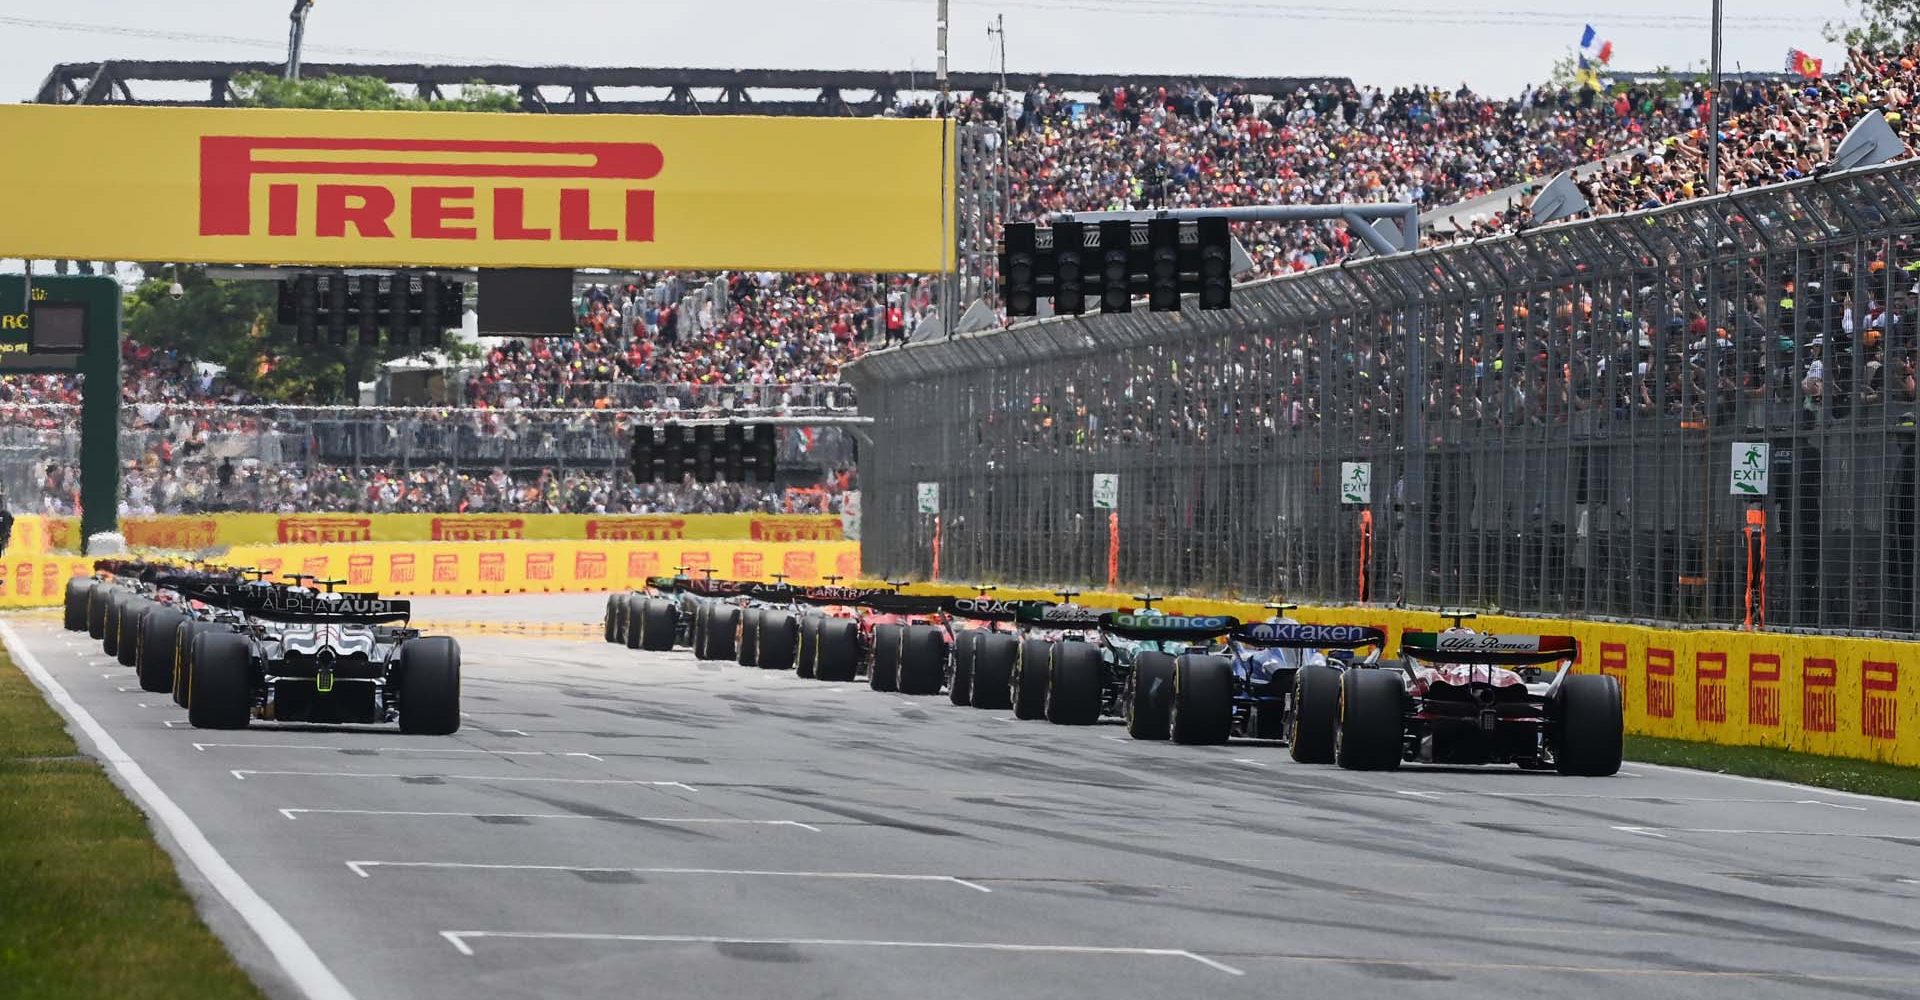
x=984, y=650
x=1119, y=672
x=1253, y=685
x=1467, y=697
x=301, y=656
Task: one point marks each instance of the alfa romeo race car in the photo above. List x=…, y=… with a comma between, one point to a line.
x=300, y=656
x=1468, y=697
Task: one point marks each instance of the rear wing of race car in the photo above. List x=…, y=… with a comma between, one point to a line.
x=1066, y=617
x=1297, y=635
x=345, y=609
x=987, y=609
x=1155, y=625
x=1488, y=648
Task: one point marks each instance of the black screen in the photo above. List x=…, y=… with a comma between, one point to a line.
x=59, y=328
x=526, y=302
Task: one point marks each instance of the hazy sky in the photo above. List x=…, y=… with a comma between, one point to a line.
x=1497, y=46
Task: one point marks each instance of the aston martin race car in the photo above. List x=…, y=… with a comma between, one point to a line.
x=1468, y=697
x=301, y=656
x=1125, y=664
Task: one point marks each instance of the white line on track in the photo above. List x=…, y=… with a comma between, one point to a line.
x=241, y=774
x=1250, y=762
x=459, y=941
x=1526, y=796
x=723, y=821
x=1804, y=789
x=296, y=957
x=360, y=868
x=1662, y=831
x=203, y=747
x=174, y=723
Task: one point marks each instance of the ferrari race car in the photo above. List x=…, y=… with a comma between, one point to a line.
x=1468, y=697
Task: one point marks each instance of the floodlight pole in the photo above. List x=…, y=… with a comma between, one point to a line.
x=295, y=35
x=1713, y=110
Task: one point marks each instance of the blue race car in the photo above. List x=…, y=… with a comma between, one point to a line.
x=1249, y=689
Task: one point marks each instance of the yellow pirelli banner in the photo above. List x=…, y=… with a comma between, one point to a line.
x=423, y=188
x=196, y=532
x=522, y=567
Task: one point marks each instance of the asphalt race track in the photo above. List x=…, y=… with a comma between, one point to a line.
x=611, y=823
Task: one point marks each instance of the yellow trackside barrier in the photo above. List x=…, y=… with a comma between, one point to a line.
x=522, y=567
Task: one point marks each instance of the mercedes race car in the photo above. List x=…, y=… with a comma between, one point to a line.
x=1468, y=697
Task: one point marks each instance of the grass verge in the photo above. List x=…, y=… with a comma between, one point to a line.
x=1863, y=776
x=90, y=906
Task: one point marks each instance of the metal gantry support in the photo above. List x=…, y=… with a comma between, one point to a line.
x=1359, y=218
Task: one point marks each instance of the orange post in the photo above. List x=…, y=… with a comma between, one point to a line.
x=1366, y=548
x=1756, y=598
x=934, y=576
x=1113, y=549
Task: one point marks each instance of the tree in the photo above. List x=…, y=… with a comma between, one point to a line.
x=231, y=323
x=361, y=93
x=1878, y=25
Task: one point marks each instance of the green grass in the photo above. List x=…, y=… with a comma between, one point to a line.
x=1845, y=774
x=90, y=907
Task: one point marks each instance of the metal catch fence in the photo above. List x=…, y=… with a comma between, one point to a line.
x=1575, y=420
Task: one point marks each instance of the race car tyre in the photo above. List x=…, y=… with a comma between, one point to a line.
x=97, y=599
x=183, y=639
x=993, y=656
x=720, y=625
x=635, y=614
x=615, y=604
x=836, y=650
x=699, y=632
x=884, y=673
x=658, y=620
x=746, y=650
x=1027, y=684
x=79, y=589
x=1150, y=696
x=429, y=686
x=157, y=635
x=777, y=640
x=1202, y=709
x=110, y=625
x=1073, y=685
x=1588, y=726
x=221, y=681
x=1368, y=734
x=126, y=643
x=922, y=666
x=806, y=645
x=960, y=688
x=1316, y=710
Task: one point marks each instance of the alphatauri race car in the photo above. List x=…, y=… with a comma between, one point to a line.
x=1468, y=697
x=301, y=656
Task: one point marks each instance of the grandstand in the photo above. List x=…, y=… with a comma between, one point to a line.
x=1068, y=144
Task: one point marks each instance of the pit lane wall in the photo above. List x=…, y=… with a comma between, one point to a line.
x=1840, y=697
x=191, y=533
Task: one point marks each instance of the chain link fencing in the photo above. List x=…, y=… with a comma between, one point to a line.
x=1545, y=423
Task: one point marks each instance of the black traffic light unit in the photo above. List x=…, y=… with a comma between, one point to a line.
x=1018, y=269
x=736, y=453
x=1116, y=266
x=412, y=307
x=1069, y=285
x=1216, y=264
x=1161, y=259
